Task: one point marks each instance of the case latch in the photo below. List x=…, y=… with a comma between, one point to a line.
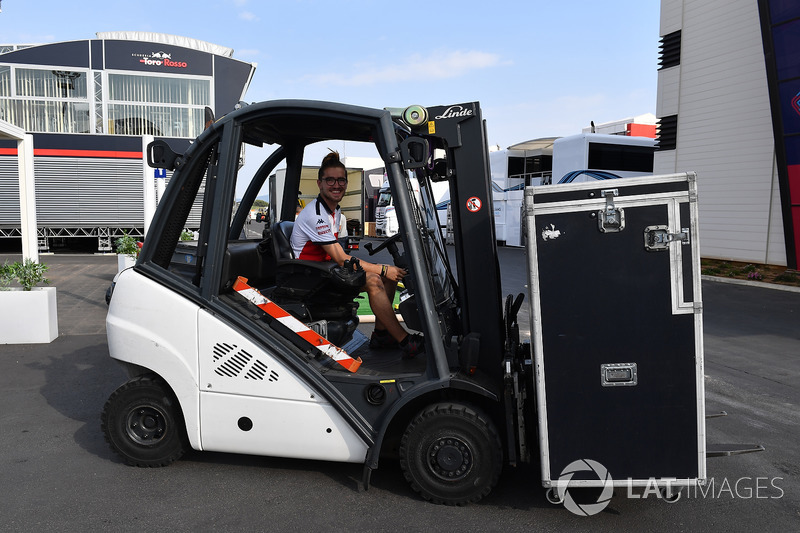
x=611, y=219
x=657, y=238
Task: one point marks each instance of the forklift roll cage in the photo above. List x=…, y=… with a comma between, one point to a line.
x=466, y=339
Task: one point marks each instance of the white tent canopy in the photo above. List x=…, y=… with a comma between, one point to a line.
x=165, y=38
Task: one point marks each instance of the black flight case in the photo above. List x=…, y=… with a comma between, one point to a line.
x=617, y=332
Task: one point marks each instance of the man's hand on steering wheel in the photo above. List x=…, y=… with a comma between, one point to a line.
x=394, y=273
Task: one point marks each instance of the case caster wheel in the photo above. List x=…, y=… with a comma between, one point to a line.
x=669, y=494
x=553, y=496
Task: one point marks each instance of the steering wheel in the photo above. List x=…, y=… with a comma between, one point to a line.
x=399, y=260
x=385, y=244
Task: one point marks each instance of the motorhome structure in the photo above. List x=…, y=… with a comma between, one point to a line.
x=90, y=105
x=577, y=156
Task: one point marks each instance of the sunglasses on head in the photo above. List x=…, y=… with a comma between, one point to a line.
x=332, y=181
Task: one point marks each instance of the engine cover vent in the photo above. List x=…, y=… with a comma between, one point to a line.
x=231, y=361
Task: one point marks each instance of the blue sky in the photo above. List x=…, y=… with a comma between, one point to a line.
x=539, y=68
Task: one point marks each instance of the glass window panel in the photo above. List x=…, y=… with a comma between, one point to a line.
x=7, y=110
x=47, y=116
x=160, y=121
x=620, y=157
x=158, y=90
x=69, y=117
x=50, y=83
x=516, y=166
x=5, y=80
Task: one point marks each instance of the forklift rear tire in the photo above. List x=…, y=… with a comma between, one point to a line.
x=142, y=423
x=451, y=454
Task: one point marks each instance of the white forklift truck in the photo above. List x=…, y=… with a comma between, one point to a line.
x=233, y=345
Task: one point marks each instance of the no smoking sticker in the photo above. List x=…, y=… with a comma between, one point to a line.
x=474, y=204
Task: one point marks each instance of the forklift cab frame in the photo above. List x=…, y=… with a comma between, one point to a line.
x=467, y=340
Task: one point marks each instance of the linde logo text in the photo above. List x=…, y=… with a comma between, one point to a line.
x=454, y=111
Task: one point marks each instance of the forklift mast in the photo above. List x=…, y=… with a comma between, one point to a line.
x=480, y=293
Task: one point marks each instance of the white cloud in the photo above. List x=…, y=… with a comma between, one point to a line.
x=248, y=16
x=429, y=67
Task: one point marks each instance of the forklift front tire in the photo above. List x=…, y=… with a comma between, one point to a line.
x=142, y=423
x=451, y=454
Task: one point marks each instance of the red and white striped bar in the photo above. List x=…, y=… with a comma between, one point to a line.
x=278, y=313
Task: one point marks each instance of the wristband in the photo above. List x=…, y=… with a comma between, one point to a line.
x=384, y=269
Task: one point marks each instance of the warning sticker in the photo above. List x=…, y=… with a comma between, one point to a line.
x=474, y=204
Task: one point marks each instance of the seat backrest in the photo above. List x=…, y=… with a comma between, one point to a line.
x=282, y=239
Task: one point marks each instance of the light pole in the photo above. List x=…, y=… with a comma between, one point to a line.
x=66, y=81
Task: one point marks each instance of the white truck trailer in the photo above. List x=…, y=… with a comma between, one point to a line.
x=573, y=159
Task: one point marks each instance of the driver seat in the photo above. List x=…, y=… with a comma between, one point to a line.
x=282, y=239
x=315, y=290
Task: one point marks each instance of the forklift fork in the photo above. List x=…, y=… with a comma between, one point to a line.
x=726, y=450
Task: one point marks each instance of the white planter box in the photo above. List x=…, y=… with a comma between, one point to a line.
x=28, y=317
x=125, y=261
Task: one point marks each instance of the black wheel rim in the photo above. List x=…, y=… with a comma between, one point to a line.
x=146, y=425
x=450, y=458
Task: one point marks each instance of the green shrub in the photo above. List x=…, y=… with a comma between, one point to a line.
x=788, y=277
x=6, y=275
x=126, y=245
x=27, y=273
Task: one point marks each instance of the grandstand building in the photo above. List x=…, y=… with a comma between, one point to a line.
x=90, y=105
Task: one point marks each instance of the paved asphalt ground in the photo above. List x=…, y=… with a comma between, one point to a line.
x=58, y=474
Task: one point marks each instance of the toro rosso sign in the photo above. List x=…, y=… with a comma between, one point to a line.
x=160, y=59
x=152, y=57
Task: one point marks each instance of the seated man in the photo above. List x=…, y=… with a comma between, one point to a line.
x=314, y=238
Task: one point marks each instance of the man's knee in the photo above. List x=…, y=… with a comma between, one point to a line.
x=374, y=283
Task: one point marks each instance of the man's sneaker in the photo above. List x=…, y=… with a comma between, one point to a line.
x=381, y=340
x=412, y=345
